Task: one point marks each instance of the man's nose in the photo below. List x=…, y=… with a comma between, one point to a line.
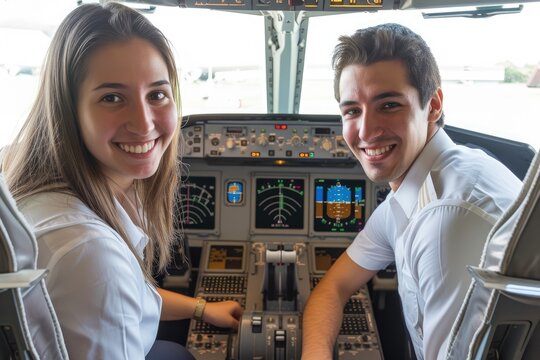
x=368, y=126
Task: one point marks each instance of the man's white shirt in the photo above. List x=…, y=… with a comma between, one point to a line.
x=434, y=225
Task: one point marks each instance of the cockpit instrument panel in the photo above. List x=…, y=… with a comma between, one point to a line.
x=272, y=201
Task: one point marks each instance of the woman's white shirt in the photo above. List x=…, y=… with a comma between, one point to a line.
x=106, y=308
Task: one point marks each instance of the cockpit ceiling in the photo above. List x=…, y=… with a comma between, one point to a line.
x=327, y=5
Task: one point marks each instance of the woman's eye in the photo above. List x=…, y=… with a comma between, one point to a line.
x=111, y=98
x=158, y=95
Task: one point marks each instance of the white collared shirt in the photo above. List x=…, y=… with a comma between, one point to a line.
x=106, y=308
x=434, y=225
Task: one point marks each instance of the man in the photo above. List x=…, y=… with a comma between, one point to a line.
x=444, y=200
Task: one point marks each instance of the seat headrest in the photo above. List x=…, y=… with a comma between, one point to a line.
x=18, y=246
x=513, y=248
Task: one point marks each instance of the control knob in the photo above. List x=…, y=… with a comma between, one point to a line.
x=262, y=140
x=231, y=143
x=296, y=140
x=326, y=144
x=214, y=141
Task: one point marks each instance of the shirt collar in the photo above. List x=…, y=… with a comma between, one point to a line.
x=407, y=193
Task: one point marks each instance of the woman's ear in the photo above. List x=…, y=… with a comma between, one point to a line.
x=436, y=106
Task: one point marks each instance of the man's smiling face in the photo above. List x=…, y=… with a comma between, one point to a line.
x=384, y=123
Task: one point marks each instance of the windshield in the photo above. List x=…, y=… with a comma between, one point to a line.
x=485, y=63
x=485, y=66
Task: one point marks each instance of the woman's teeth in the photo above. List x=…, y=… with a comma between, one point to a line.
x=138, y=149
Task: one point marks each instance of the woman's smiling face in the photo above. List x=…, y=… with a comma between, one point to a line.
x=126, y=109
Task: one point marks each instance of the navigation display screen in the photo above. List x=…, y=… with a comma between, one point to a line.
x=225, y=257
x=326, y=257
x=197, y=207
x=279, y=203
x=339, y=205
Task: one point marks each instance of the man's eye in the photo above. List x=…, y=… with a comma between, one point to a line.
x=111, y=98
x=351, y=112
x=390, y=105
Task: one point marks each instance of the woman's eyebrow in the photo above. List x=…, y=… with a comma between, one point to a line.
x=123, y=86
x=160, y=82
x=110, y=86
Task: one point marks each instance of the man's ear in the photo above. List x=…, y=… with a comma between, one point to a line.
x=435, y=106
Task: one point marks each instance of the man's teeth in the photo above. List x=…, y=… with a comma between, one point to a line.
x=379, y=151
x=138, y=149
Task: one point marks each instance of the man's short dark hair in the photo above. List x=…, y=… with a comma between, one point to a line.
x=390, y=42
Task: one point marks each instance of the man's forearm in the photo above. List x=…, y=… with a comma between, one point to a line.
x=323, y=315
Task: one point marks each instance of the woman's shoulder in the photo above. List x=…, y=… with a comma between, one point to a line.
x=50, y=208
x=64, y=226
x=64, y=218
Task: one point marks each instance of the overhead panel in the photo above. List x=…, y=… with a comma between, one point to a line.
x=292, y=5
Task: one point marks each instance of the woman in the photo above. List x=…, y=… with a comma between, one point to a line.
x=94, y=170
